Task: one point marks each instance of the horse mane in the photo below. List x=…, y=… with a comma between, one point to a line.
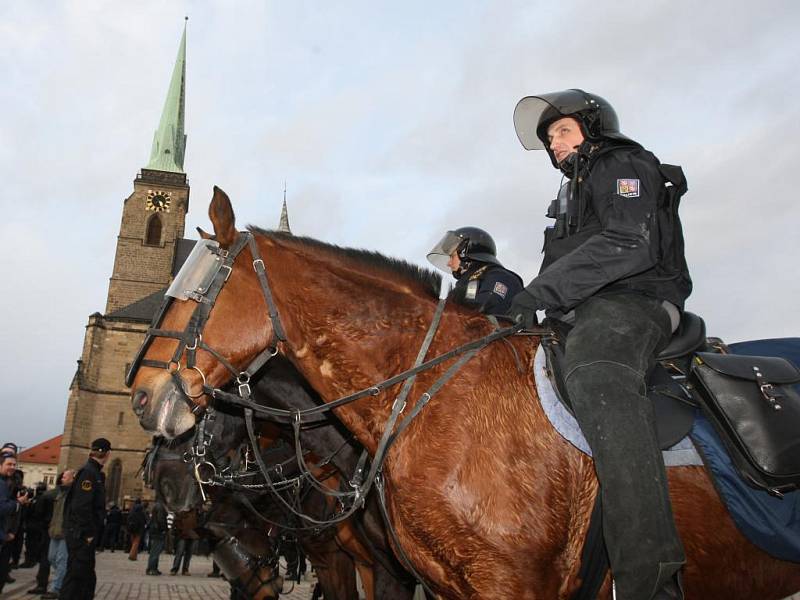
x=429, y=281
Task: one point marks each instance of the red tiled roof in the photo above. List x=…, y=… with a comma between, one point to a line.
x=47, y=452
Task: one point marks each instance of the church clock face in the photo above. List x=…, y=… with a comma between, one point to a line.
x=158, y=200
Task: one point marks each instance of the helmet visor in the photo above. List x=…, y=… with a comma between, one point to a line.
x=440, y=254
x=197, y=273
x=533, y=111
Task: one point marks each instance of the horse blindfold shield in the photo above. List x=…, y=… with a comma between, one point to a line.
x=198, y=272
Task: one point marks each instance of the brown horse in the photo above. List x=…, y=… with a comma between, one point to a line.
x=487, y=499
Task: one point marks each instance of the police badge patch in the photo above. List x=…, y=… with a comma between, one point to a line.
x=628, y=188
x=86, y=485
x=472, y=290
x=501, y=289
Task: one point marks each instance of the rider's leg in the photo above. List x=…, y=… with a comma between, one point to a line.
x=608, y=355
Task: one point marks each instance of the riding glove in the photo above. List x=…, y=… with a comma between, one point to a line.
x=523, y=309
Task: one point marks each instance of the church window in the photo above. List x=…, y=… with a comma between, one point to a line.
x=153, y=235
x=120, y=418
x=114, y=481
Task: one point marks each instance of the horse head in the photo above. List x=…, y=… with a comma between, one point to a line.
x=175, y=468
x=191, y=348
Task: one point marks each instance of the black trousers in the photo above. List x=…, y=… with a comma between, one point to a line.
x=43, y=574
x=608, y=355
x=5, y=562
x=80, y=580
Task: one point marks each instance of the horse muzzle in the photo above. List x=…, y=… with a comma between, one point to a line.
x=162, y=407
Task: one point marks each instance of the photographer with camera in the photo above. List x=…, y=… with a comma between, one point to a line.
x=10, y=504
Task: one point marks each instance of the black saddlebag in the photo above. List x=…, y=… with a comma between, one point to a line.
x=755, y=407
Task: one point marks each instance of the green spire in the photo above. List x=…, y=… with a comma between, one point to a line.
x=169, y=142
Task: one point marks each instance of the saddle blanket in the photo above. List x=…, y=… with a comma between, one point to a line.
x=681, y=454
x=771, y=523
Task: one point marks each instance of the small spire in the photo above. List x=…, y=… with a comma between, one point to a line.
x=169, y=141
x=284, y=222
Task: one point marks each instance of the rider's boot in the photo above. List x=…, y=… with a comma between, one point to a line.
x=673, y=590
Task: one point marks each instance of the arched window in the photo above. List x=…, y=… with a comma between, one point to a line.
x=153, y=235
x=114, y=481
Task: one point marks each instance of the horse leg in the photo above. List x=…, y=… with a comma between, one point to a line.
x=386, y=586
x=367, y=580
x=337, y=577
x=335, y=569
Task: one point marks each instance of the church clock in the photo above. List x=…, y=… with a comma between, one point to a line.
x=158, y=201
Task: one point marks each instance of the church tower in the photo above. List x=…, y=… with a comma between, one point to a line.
x=150, y=249
x=154, y=215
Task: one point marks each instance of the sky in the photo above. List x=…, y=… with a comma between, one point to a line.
x=390, y=122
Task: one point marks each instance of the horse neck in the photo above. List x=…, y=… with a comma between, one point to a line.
x=348, y=325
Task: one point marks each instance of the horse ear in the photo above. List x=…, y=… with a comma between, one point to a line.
x=203, y=234
x=221, y=214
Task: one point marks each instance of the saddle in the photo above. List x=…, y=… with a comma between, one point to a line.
x=753, y=402
x=673, y=404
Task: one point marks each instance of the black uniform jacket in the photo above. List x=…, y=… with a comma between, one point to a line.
x=617, y=229
x=487, y=287
x=84, y=507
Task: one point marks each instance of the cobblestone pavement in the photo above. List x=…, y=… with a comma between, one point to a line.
x=121, y=579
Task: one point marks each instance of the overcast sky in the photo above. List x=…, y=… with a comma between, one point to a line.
x=390, y=123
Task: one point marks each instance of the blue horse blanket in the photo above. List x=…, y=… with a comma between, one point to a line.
x=771, y=523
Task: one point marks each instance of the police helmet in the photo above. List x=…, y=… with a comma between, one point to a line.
x=470, y=243
x=534, y=114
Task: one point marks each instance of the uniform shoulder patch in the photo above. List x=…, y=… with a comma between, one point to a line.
x=501, y=289
x=628, y=188
x=86, y=485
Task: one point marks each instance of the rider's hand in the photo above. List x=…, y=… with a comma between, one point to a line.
x=523, y=309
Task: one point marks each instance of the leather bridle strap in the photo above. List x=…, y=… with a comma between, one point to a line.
x=376, y=389
x=401, y=398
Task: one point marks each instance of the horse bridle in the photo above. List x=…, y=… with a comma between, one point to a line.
x=190, y=340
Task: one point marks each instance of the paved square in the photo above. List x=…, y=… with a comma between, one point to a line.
x=121, y=579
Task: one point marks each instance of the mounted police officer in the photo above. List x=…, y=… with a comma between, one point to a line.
x=470, y=255
x=84, y=511
x=613, y=268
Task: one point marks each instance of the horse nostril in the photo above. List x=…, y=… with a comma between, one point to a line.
x=140, y=400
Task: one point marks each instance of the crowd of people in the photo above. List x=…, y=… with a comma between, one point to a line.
x=60, y=530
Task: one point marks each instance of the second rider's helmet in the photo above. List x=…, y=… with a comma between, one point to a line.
x=534, y=114
x=471, y=243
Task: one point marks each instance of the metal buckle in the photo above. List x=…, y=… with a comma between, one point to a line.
x=767, y=389
x=243, y=379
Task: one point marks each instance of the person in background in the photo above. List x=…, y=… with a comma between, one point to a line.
x=10, y=504
x=113, y=525
x=183, y=549
x=157, y=530
x=469, y=254
x=137, y=519
x=15, y=531
x=40, y=515
x=84, y=512
x=57, y=551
